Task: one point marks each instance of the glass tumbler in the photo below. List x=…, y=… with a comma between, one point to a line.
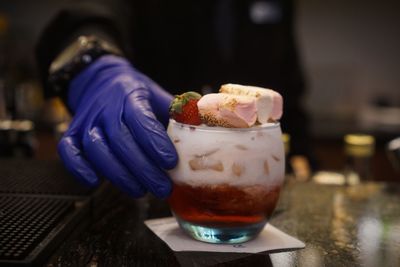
x=227, y=181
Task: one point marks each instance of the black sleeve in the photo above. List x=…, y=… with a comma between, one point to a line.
x=106, y=19
x=295, y=118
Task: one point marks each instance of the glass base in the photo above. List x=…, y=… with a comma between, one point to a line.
x=221, y=235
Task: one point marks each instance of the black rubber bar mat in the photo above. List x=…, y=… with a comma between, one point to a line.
x=40, y=204
x=38, y=177
x=31, y=227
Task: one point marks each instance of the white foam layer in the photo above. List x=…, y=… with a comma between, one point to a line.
x=239, y=157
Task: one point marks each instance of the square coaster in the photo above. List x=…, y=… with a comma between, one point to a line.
x=270, y=239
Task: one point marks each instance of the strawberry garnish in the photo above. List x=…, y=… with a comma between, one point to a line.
x=184, y=108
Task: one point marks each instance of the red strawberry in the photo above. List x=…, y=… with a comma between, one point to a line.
x=184, y=108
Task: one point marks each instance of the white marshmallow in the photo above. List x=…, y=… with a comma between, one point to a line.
x=268, y=102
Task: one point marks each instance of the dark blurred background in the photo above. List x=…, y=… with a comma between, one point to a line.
x=349, y=49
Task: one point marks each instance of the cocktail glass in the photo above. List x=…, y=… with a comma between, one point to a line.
x=227, y=181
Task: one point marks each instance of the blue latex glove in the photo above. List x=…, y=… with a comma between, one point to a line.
x=118, y=129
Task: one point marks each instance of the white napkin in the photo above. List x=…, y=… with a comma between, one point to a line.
x=270, y=239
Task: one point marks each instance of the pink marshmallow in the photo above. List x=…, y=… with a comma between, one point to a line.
x=228, y=110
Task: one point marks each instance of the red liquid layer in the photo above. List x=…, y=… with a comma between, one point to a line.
x=223, y=205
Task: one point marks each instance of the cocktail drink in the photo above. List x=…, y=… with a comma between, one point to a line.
x=227, y=181
x=231, y=162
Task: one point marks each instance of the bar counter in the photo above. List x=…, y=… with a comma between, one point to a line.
x=48, y=219
x=341, y=226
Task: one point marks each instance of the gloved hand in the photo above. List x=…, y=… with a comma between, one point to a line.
x=117, y=129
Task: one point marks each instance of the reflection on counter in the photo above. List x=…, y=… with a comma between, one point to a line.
x=342, y=225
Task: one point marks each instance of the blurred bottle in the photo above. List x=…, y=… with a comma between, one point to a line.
x=3, y=109
x=286, y=145
x=393, y=153
x=28, y=100
x=17, y=139
x=7, y=138
x=3, y=30
x=296, y=166
x=359, y=149
x=25, y=144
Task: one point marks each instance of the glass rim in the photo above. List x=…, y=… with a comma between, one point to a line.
x=265, y=126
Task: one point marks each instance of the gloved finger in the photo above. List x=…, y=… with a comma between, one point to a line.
x=130, y=153
x=148, y=131
x=71, y=154
x=100, y=156
x=159, y=100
